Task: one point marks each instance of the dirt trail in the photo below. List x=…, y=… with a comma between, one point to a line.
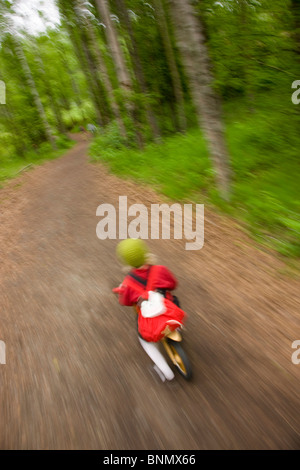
x=75, y=376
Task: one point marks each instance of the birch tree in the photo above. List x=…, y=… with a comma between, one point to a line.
x=121, y=68
x=19, y=52
x=191, y=43
x=137, y=65
x=172, y=64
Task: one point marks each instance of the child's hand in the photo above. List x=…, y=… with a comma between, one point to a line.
x=118, y=290
x=141, y=299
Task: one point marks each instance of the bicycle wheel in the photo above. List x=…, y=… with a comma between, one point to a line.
x=180, y=359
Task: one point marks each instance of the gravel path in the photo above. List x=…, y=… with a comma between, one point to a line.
x=75, y=375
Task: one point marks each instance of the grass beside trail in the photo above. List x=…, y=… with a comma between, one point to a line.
x=10, y=164
x=264, y=148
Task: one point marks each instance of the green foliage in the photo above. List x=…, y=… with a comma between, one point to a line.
x=254, y=47
x=251, y=44
x=110, y=140
x=179, y=167
x=11, y=164
x=264, y=149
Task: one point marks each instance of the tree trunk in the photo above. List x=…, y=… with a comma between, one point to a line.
x=122, y=72
x=245, y=59
x=102, y=69
x=16, y=131
x=295, y=7
x=94, y=88
x=101, y=66
x=197, y=65
x=68, y=13
x=33, y=90
x=84, y=60
x=56, y=111
x=114, y=45
x=137, y=66
x=89, y=47
x=51, y=95
x=74, y=84
x=171, y=60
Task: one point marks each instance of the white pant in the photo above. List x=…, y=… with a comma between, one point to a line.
x=152, y=349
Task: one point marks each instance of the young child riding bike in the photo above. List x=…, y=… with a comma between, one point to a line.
x=142, y=280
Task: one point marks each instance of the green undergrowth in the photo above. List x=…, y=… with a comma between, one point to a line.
x=264, y=147
x=11, y=164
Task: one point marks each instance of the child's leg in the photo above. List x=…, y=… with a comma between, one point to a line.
x=152, y=349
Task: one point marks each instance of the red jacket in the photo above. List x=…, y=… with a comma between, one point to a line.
x=130, y=290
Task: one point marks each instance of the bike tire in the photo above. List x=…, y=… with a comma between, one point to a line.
x=182, y=362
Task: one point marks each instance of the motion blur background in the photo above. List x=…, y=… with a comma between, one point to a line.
x=65, y=68
x=167, y=100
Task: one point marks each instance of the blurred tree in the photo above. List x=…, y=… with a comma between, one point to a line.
x=195, y=57
x=152, y=67
x=18, y=50
x=49, y=90
x=91, y=50
x=9, y=32
x=172, y=64
x=72, y=23
x=121, y=67
x=295, y=7
x=99, y=61
x=137, y=65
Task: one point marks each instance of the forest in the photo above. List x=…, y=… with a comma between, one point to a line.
x=198, y=99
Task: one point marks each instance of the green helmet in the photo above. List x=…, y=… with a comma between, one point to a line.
x=132, y=252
